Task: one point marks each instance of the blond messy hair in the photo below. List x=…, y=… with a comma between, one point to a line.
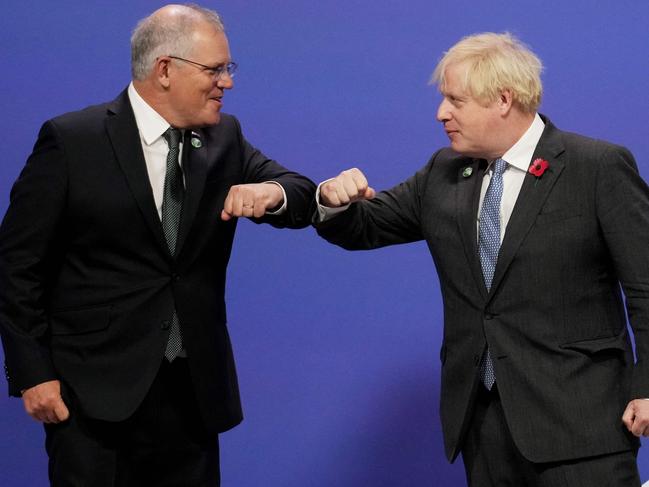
x=495, y=63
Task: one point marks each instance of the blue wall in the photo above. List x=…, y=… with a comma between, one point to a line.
x=337, y=352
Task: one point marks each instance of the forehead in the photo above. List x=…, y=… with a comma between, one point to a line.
x=454, y=79
x=209, y=42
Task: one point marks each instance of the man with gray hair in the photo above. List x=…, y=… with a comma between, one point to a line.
x=113, y=257
x=534, y=232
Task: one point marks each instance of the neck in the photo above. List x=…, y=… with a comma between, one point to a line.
x=155, y=99
x=516, y=124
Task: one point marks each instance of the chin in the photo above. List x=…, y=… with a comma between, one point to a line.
x=209, y=121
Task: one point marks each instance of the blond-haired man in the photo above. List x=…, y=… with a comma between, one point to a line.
x=533, y=231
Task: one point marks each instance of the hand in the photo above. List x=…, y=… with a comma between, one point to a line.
x=43, y=402
x=636, y=417
x=347, y=187
x=251, y=200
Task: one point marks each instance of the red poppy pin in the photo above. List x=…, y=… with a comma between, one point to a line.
x=538, y=167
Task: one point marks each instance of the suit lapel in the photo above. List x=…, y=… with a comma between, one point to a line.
x=124, y=136
x=468, y=190
x=195, y=166
x=530, y=200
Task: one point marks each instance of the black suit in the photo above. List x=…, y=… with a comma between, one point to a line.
x=554, y=318
x=88, y=283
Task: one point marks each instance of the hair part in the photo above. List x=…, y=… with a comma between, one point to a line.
x=495, y=63
x=157, y=35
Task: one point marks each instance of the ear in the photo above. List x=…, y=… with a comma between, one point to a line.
x=505, y=101
x=161, y=71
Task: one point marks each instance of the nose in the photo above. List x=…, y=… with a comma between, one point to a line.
x=443, y=111
x=225, y=81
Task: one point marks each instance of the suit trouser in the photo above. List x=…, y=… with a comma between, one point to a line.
x=162, y=444
x=491, y=458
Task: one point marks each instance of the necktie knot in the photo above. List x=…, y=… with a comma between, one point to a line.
x=499, y=166
x=172, y=136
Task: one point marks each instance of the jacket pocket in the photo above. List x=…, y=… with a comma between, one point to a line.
x=80, y=321
x=595, y=345
x=556, y=216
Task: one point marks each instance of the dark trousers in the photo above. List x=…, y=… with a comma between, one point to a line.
x=163, y=444
x=491, y=458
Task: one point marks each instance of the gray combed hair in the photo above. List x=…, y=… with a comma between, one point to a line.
x=154, y=37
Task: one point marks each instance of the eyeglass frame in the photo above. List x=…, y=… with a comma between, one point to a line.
x=217, y=71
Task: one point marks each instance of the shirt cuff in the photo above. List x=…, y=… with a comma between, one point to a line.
x=281, y=209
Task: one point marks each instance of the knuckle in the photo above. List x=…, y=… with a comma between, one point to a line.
x=332, y=186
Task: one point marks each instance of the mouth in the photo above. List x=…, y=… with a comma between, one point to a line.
x=218, y=100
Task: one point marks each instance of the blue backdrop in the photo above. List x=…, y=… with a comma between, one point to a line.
x=337, y=352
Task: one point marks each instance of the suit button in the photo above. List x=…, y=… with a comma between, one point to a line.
x=165, y=324
x=476, y=359
x=175, y=277
x=489, y=316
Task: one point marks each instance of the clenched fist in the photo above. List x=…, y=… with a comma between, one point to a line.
x=349, y=186
x=43, y=402
x=251, y=200
x=636, y=417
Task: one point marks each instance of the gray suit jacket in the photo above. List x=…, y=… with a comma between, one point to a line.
x=554, y=318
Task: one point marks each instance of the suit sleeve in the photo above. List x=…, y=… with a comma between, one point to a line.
x=623, y=212
x=391, y=217
x=28, y=243
x=300, y=191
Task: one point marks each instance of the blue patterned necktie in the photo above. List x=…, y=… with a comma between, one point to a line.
x=172, y=204
x=488, y=247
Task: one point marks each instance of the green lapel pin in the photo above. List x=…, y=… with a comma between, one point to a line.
x=196, y=143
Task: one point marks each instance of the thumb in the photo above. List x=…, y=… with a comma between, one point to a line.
x=225, y=216
x=61, y=410
x=369, y=193
x=627, y=417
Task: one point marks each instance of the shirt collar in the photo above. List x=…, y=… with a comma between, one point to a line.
x=520, y=154
x=149, y=122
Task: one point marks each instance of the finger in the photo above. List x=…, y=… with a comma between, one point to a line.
x=227, y=204
x=637, y=428
x=627, y=417
x=61, y=411
x=247, y=210
x=43, y=415
x=237, y=204
x=350, y=186
x=329, y=195
x=341, y=190
x=359, y=180
x=259, y=210
x=51, y=418
x=640, y=424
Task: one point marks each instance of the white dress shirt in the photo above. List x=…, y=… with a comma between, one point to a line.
x=518, y=159
x=152, y=126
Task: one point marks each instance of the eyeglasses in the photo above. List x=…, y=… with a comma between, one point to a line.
x=216, y=72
